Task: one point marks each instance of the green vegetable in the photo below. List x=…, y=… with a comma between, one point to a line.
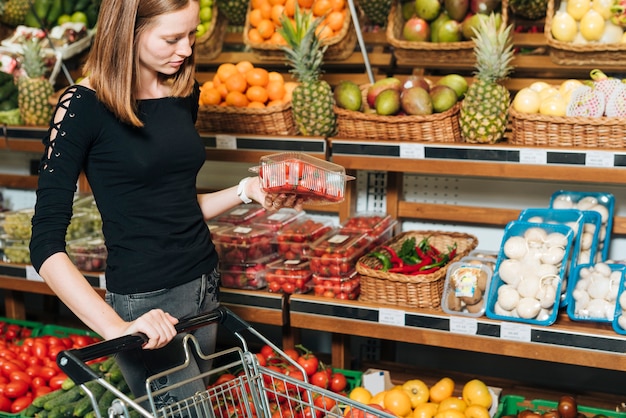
x=64, y=398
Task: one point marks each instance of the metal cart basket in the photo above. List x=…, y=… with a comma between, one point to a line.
x=256, y=391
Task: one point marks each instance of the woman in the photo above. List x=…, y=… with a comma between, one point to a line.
x=129, y=125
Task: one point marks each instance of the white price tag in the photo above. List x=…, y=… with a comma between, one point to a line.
x=225, y=142
x=391, y=317
x=463, y=325
x=515, y=332
x=31, y=274
x=533, y=156
x=102, y=281
x=412, y=151
x=599, y=159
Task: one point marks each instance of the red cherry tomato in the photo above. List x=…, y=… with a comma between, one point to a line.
x=21, y=403
x=20, y=375
x=309, y=363
x=338, y=382
x=15, y=389
x=38, y=382
x=320, y=379
x=5, y=404
x=57, y=380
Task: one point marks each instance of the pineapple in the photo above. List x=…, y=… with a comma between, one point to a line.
x=312, y=100
x=376, y=11
x=234, y=10
x=34, y=88
x=484, y=111
x=14, y=12
x=529, y=9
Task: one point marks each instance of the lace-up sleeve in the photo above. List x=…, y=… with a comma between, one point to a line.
x=67, y=143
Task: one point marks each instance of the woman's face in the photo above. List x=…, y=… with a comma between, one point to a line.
x=164, y=46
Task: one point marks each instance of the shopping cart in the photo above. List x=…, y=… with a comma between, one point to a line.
x=257, y=390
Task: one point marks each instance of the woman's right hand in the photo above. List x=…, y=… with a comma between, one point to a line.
x=157, y=325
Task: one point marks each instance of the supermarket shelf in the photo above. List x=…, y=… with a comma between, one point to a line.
x=583, y=344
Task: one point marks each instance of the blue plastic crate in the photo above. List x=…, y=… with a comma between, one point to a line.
x=620, y=310
x=577, y=198
x=572, y=283
x=518, y=229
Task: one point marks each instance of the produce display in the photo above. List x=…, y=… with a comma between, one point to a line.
x=88, y=254
x=295, y=239
x=243, y=243
x=289, y=276
x=585, y=21
x=336, y=253
x=593, y=290
x=244, y=276
x=465, y=288
x=337, y=287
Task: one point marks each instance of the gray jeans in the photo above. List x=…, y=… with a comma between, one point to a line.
x=190, y=299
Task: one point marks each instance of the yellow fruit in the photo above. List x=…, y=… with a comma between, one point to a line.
x=360, y=394
x=452, y=402
x=477, y=411
x=592, y=26
x=527, y=101
x=425, y=410
x=603, y=7
x=564, y=27
x=441, y=390
x=476, y=392
x=538, y=86
x=548, y=92
x=568, y=86
x=450, y=413
x=554, y=106
x=398, y=402
x=418, y=391
x=578, y=8
x=379, y=398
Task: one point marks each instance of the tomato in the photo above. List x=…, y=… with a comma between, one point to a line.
x=338, y=382
x=20, y=375
x=567, y=406
x=57, y=380
x=47, y=372
x=21, y=403
x=320, y=379
x=309, y=363
x=54, y=350
x=268, y=352
x=261, y=359
x=9, y=366
x=40, y=349
x=38, y=382
x=40, y=391
x=224, y=377
x=324, y=403
x=292, y=353
x=15, y=389
x=5, y=403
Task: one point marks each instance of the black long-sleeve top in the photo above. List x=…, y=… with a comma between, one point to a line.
x=144, y=184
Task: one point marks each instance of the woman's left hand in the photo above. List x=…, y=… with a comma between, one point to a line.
x=271, y=201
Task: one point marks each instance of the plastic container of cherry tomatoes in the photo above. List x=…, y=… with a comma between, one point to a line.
x=336, y=253
x=244, y=243
x=295, y=239
x=337, y=287
x=379, y=226
x=279, y=219
x=289, y=276
x=240, y=214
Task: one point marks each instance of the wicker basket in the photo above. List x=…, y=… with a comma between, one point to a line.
x=339, y=47
x=568, y=53
x=419, y=291
x=566, y=131
x=416, y=53
x=209, y=45
x=273, y=120
x=438, y=127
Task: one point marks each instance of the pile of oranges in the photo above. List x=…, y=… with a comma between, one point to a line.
x=264, y=18
x=242, y=84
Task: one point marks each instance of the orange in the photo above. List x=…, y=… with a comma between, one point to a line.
x=223, y=91
x=277, y=39
x=441, y=390
x=275, y=2
x=256, y=105
x=266, y=10
x=289, y=87
x=290, y=8
x=275, y=103
x=338, y=5
x=321, y=7
x=305, y=3
x=335, y=20
x=398, y=402
x=275, y=76
x=244, y=66
x=210, y=96
x=237, y=99
x=266, y=28
x=275, y=90
x=225, y=70
x=207, y=85
x=277, y=12
x=257, y=77
x=255, y=17
x=324, y=32
x=256, y=4
x=254, y=36
x=257, y=94
x=236, y=82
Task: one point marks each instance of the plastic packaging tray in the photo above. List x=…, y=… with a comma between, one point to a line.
x=316, y=180
x=244, y=243
x=592, y=224
x=279, y=219
x=338, y=287
x=88, y=254
x=240, y=214
x=511, y=405
x=465, y=282
x=295, y=239
x=589, y=201
x=619, y=318
x=336, y=253
x=289, y=276
x=601, y=309
x=547, y=315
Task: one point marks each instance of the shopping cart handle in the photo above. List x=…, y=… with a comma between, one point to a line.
x=72, y=361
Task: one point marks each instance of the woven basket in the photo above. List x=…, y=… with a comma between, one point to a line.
x=418, y=291
x=273, y=120
x=339, y=47
x=566, y=131
x=209, y=45
x=438, y=127
x=568, y=53
x=416, y=53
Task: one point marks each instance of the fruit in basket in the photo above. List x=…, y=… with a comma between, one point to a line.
x=485, y=7
x=418, y=391
x=416, y=29
x=416, y=101
x=457, y=9
x=592, y=26
x=442, y=389
x=427, y=9
x=476, y=392
x=348, y=95
x=33, y=88
x=443, y=98
x=379, y=86
x=455, y=81
x=388, y=102
x=312, y=101
x=484, y=111
x=449, y=31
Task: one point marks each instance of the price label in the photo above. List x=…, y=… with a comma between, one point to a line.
x=31, y=274
x=391, y=317
x=463, y=325
x=102, y=281
x=599, y=159
x=515, y=332
x=412, y=151
x=225, y=142
x=533, y=157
